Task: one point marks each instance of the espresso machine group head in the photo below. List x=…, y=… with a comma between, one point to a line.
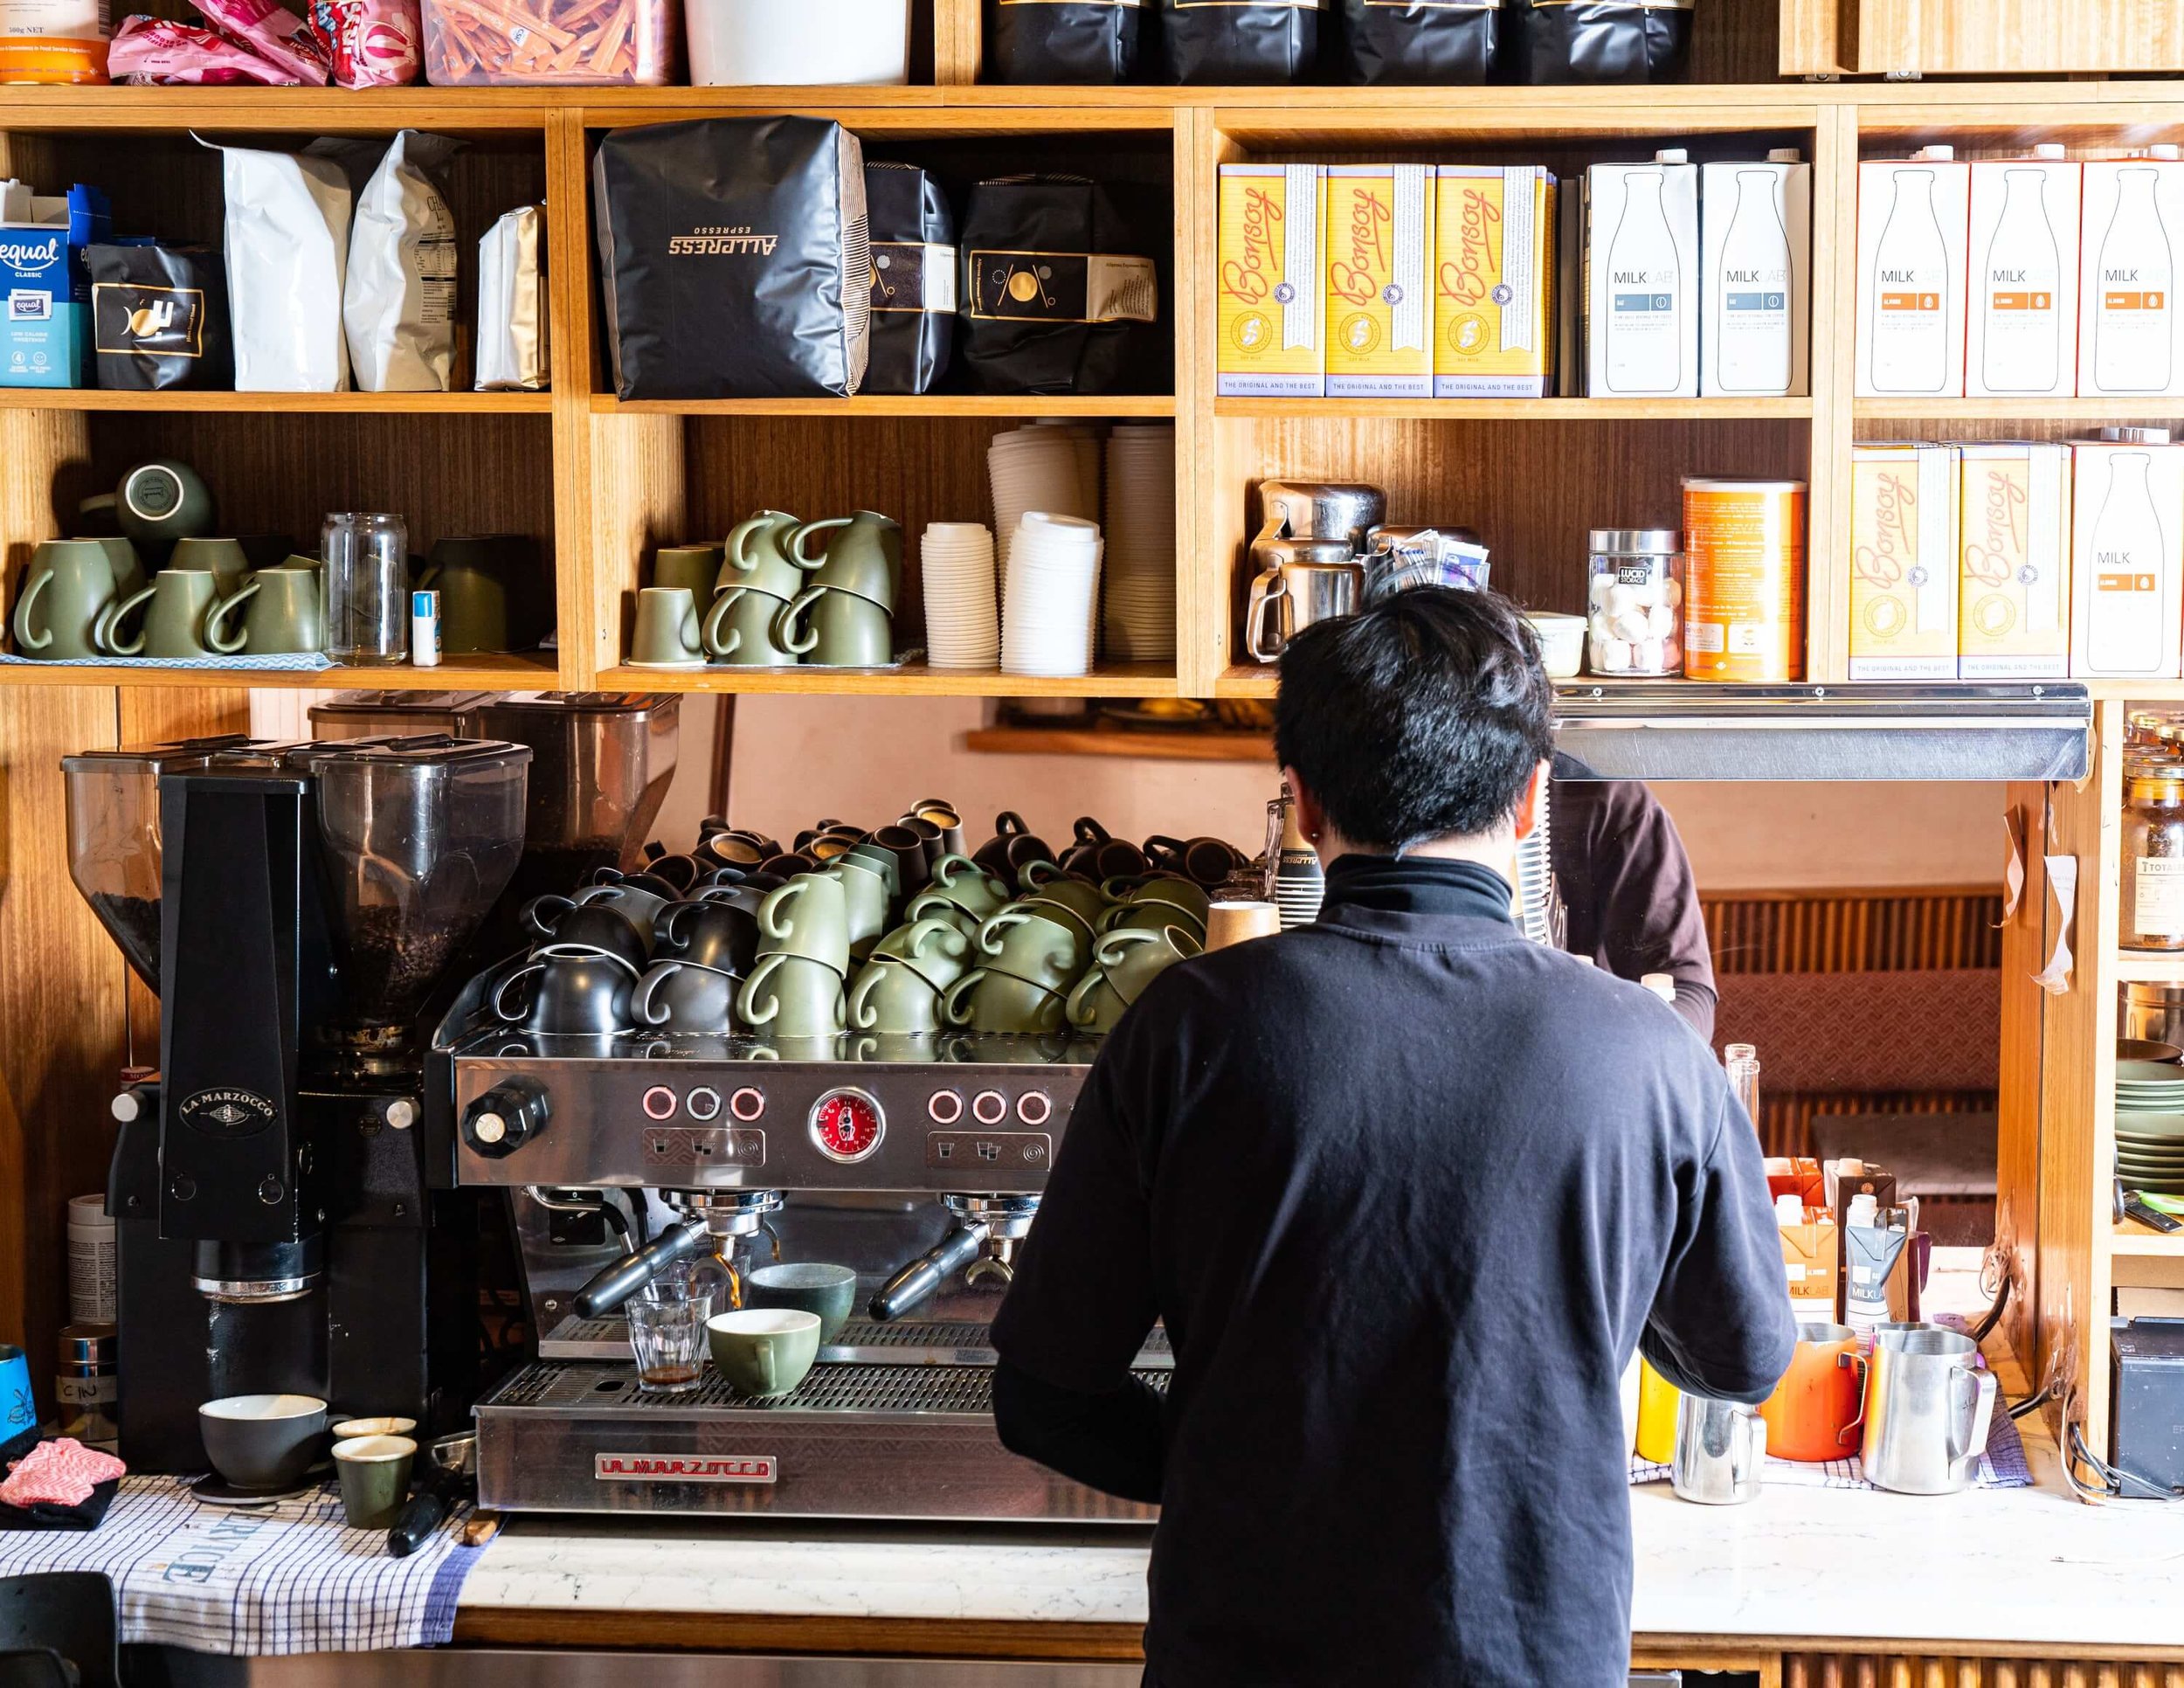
x=278, y=1230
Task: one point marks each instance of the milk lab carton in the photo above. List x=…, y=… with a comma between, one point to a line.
x=2126, y=558
x=1755, y=287
x=1913, y=220
x=1272, y=259
x=46, y=339
x=1380, y=280
x=1642, y=265
x=2131, y=241
x=1494, y=292
x=2024, y=267
x=1904, y=562
x=2014, y=590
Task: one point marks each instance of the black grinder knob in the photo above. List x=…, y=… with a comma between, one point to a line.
x=505, y=1117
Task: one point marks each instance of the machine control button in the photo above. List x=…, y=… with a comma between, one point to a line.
x=660, y=1103
x=944, y=1107
x=704, y=1103
x=748, y=1103
x=847, y=1124
x=1034, y=1107
x=505, y=1117
x=184, y=1187
x=400, y=1113
x=988, y=1152
x=989, y=1107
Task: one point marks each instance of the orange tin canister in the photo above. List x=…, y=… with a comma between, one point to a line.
x=1743, y=580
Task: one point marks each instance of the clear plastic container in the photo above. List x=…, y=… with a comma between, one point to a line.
x=1634, y=603
x=367, y=560
x=532, y=43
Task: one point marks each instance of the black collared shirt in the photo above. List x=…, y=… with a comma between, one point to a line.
x=1407, y=1190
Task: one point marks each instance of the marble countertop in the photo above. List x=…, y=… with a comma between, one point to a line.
x=2031, y=1566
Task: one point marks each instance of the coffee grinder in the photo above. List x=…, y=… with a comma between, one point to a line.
x=276, y=1228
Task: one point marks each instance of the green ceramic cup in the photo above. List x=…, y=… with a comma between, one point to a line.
x=694, y=568
x=1151, y=918
x=892, y=996
x=667, y=635
x=1047, y=884
x=808, y=916
x=987, y=1002
x=1094, y=1004
x=757, y=555
x=763, y=1350
x=68, y=585
x=829, y=1292
x=835, y=629
x=375, y=1474
x=739, y=629
x=864, y=895
x=224, y=558
x=180, y=600
x=476, y=576
x=1176, y=893
x=1133, y=957
x=157, y=503
x=284, y=617
x=937, y=950
x=1040, y=950
x=789, y=996
x=863, y=555
x=963, y=883
x=128, y=568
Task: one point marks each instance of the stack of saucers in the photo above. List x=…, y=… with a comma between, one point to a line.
x=1138, y=598
x=963, y=627
x=1054, y=576
x=1039, y=468
x=2150, y=1125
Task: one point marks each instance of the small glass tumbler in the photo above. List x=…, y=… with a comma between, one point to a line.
x=367, y=560
x=666, y=1333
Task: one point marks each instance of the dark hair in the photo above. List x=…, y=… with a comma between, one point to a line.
x=1422, y=716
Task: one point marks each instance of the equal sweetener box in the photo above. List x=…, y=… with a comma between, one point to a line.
x=46, y=339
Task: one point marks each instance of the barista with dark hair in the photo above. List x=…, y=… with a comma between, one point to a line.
x=1407, y=1189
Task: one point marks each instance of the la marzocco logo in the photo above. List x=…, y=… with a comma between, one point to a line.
x=228, y=1112
x=738, y=242
x=683, y=1468
x=28, y=256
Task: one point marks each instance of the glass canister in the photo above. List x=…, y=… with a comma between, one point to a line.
x=2153, y=901
x=1634, y=602
x=367, y=588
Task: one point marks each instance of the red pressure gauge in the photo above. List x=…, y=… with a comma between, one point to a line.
x=847, y=1124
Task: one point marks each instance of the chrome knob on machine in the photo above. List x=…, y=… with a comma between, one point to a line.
x=505, y=1117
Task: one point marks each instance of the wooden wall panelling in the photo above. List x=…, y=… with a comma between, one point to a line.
x=1202, y=560
x=2009, y=38
x=1834, y=260
x=2021, y=1099
x=636, y=502
x=957, y=41
x=572, y=350
x=1894, y=931
x=2078, y=1079
x=1806, y=38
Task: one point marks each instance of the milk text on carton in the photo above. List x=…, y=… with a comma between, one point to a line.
x=1912, y=229
x=2126, y=566
x=1379, y=301
x=1271, y=259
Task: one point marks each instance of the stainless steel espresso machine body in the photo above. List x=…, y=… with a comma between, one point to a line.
x=916, y=1161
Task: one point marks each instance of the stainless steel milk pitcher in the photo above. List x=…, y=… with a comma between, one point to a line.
x=1927, y=1410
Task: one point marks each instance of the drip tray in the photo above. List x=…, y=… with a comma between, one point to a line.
x=854, y=1440
x=903, y=1342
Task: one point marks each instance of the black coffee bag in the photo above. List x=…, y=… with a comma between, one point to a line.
x=1221, y=41
x=159, y=317
x=1431, y=43
x=734, y=257
x=914, y=276
x=1057, y=297
x=1095, y=41
x=1580, y=41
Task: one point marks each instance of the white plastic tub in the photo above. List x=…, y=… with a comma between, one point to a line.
x=747, y=43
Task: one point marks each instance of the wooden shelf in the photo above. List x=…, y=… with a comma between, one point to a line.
x=2148, y=968
x=532, y=672
x=913, y=405
x=301, y=404
x=2132, y=1238
x=1529, y=409
x=1248, y=680
x=913, y=680
x=2013, y=410
x=1176, y=744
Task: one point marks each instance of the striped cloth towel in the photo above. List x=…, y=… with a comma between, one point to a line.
x=297, y=662
x=2003, y=1465
x=291, y=1579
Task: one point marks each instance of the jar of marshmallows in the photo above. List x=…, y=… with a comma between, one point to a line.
x=1634, y=603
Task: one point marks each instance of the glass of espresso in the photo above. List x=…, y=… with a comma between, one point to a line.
x=667, y=1331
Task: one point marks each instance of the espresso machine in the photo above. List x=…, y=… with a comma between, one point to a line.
x=279, y=1228
x=916, y=1161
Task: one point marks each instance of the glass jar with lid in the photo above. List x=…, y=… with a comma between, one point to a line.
x=1634, y=603
x=2153, y=899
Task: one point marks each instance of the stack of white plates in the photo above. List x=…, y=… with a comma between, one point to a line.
x=1053, y=468
x=1054, y=582
x=1137, y=600
x=963, y=625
